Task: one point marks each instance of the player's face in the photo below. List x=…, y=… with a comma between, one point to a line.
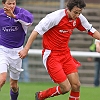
x=10, y=4
x=74, y=13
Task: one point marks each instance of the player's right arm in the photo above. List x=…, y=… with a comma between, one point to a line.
x=25, y=50
x=43, y=26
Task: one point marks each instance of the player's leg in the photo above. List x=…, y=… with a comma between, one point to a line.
x=75, y=84
x=3, y=74
x=3, y=68
x=62, y=88
x=55, y=70
x=14, y=89
x=15, y=70
x=70, y=69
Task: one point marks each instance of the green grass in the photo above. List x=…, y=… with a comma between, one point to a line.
x=27, y=91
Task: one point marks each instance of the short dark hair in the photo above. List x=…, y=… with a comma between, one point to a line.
x=79, y=3
x=3, y=1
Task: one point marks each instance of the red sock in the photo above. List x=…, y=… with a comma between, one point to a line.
x=50, y=92
x=74, y=95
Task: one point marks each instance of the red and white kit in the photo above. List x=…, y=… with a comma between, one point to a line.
x=56, y=29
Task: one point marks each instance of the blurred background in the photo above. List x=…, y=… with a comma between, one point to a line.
x=79, y=41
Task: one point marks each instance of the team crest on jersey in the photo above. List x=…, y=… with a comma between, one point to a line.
x=74, y=23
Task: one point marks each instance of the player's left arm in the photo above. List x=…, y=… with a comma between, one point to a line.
x=96, y=35
x=97, y=43
x=84, y=25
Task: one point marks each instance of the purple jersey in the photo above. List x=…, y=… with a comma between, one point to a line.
x=13, y=31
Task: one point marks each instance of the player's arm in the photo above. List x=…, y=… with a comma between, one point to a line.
x=24, y=17
x=84, y=25
x=97, y=43
x=25, y=50
x=44, y=25
x=96, y=35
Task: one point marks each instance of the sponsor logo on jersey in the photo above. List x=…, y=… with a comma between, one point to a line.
x=65, y=31
x=10, y=28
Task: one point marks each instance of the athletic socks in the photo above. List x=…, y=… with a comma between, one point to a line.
x=13, y=95
x=51, y=92
x=74, y=95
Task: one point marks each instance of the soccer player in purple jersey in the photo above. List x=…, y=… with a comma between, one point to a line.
x=14, y=22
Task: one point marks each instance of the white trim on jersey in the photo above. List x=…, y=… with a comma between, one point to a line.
x=25, y=25
x=45, y=56
x=50, y=21
x=86, y=24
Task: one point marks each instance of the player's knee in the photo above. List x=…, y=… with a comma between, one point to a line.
x=14, y=86
x=3, y=78
x=76, y=86
x=65, y=89
x=2, y=82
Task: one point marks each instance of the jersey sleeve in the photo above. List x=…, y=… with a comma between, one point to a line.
x=24, y=17
x=45, y=24
x=49, y=21
x=85, y=25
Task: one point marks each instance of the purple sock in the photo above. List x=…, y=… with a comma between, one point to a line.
x=13, y=95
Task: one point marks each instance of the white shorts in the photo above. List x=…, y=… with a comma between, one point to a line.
x=10, y=60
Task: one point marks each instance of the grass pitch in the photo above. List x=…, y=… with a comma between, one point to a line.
x=27, y=91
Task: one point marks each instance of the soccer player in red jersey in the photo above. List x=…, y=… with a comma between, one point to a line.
x=56, y=29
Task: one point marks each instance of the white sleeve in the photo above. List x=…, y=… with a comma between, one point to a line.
x=49, y=21
x=86, y=24
x=45, y=24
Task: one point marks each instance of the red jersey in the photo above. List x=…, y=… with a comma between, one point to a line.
x=57, y=28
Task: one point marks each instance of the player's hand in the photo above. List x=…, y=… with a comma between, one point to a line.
x=9, y=12
x=23, y=53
